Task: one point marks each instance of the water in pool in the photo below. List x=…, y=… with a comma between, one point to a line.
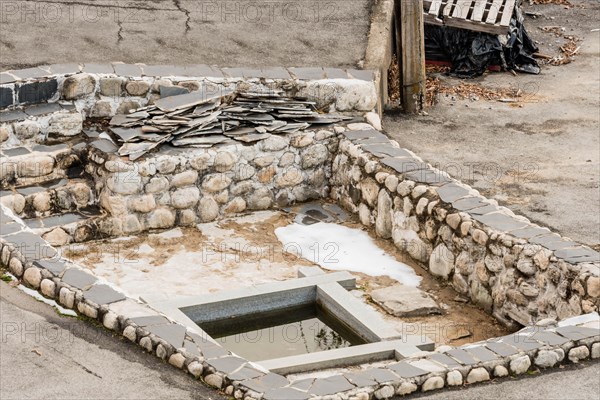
x=282, y=333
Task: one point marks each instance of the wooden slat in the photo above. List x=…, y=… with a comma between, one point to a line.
x=509, y=7
x=435, y=7
x=494, y=10
x=462, y=8
x=448, y=7
x=478, y=10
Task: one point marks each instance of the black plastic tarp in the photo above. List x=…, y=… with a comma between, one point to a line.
x=471, y=53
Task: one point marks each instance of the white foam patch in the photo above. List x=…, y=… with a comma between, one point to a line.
x=340, y=248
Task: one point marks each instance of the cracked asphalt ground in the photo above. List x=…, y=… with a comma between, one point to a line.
x=541, y=160
x=227, y=33
x=47, y=356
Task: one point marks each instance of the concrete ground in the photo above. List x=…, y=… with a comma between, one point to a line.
x=46, y=356
x=541, y=160
x=226, y=33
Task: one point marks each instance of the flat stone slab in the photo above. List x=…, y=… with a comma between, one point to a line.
x=405, y=301
x=530, y=232
x=462, y=356
x=329, y=386
x=201, y=96
x=103, y=294
x=451, y=192
x=383, y=150
x=78, y=278
x=150, y=320
x=9, y=229
x=469, y=203
x=429, y=176
x=406, y=370
x=501, y=222
x=502, y=349
x=364, y=134
x=54, y=266
x=549, y=338
x=578, y=254
x=228, y=365
x=42, y=109
x=482, y=353
x=266, y=382
x=444, y=360
x=577, y=332
x=245, y=373
x=31, y=246
x=171, y=333
x=285, y=394
x=404, y=165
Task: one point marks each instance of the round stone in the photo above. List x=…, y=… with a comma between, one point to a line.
x=48, y=288
x=57, y=237
x=433, y=383
x=406, y=388
x=224, y=161
x=161, y=352
x=208, y=209
x=500, y=371
x=216, y=182
x=214, y=380
x=130, y=333
x=177, y=360
x=33, y=277
x=146, y=344
x=15, y=265
x=161, y=218
x=77, y=86
x=478, y=375
x=185, y=178
x=546, y=359
x=454, y=378
x=386, y=392
x=66, y=297
x=195, y=368
x=185, y=198
x=520, y=365
x=137, y=88
x=576, y=354
x=441, y=262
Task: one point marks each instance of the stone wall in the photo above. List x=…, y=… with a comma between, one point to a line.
x=517, y=271
x=182, y=187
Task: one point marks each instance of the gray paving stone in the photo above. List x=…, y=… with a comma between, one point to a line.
x=462, y=356
x=308, y=74
x=285, y=394
x=55, y=266
x=17, y=151
x=303, y=384
x=168, y=91
x=150, y=320
x=42, y=148
x=482, y=353
x=64, y=69
x=93, y=68
x=360, y=379
x=266, y=382
x=522, y=342
x=78, y=278
x=42, y=109
x=200, y=71
x=444, y=360
x=381, y=140
x=127, y=70
x=451, y=192
x=405, y=370
x=203, y=95
x=502, y=349
x=431, y=177
x=329, y=386
x=245, y=373
x=191, y=348
x=336, y=73
x=364, y=75
x=275, y=73
x=9, y=229
x=578, y=254
x=171, y=333
x=210, y=351
x=404, y=165
x=104, y=145
x=577, y=332
x=35, y=223
x=227, y=365
x=364, y=134
x=9, y=116
x=233, y=72
x=550, y=338
x=7, y=78
x=31, y=246
x=484, y=210
x=164, y=70
x=30, y=73
x=469, y=203
x=500, y=221
x=529, y=232
x=382, y=375
x=383, y=150
x=103, y=294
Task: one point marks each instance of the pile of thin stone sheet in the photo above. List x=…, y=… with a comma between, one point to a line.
x=204, y=119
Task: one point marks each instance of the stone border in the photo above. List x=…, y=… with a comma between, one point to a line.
x=517, y=271
x=28, y=257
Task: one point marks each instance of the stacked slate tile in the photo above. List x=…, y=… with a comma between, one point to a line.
x=204, y=119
